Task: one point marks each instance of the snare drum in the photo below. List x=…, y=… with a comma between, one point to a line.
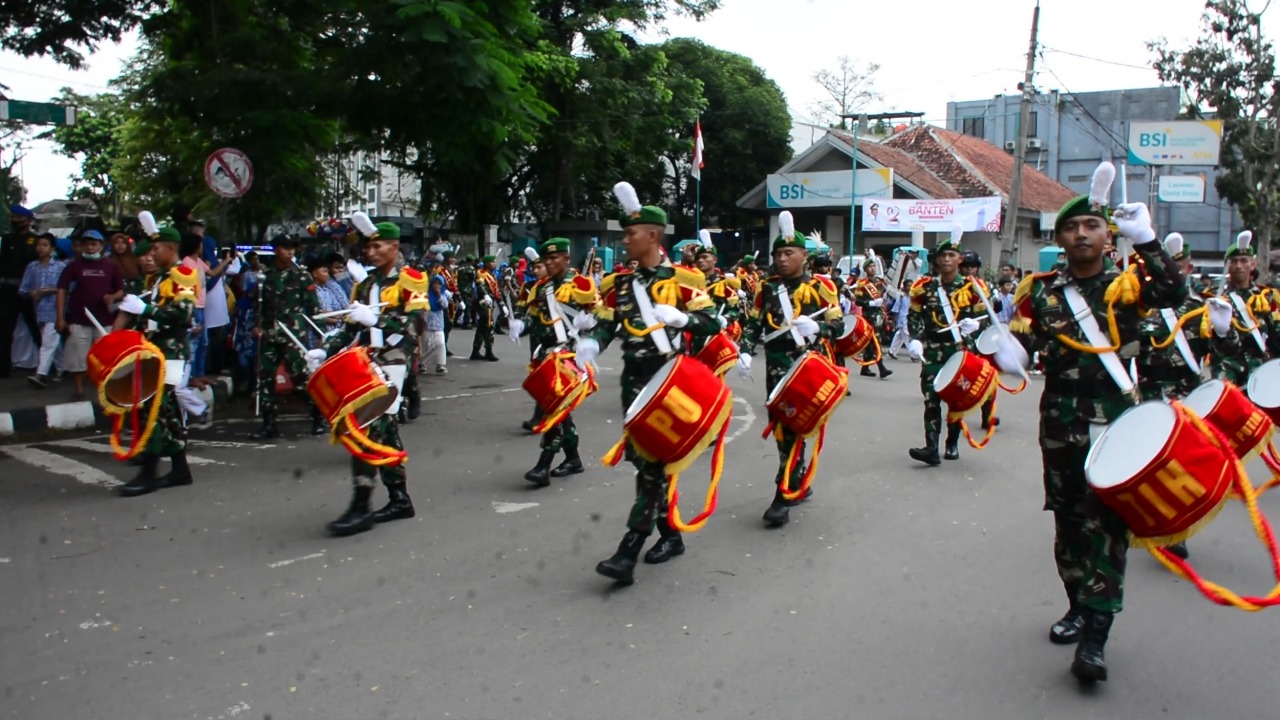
x=111, y=364
x=1225, y=407
x=1164, y=475
x=806, y=396
x=677, y=414
x=1264, y=389
x=720, y=353
x=858, y=334
x=965, y=381
x=558, y=386
x=351, y=383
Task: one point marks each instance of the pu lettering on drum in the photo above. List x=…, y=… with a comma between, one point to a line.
x=675, y=405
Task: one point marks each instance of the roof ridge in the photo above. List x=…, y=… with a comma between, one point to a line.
x=969, y=167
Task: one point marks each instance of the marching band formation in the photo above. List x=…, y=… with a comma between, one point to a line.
x=1145, y=459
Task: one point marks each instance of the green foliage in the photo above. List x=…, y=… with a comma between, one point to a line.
x=56, y=28
x=95, y=141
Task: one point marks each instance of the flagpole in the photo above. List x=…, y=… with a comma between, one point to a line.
x=696, y=171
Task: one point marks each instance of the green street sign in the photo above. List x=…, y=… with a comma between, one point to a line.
x=35, y=113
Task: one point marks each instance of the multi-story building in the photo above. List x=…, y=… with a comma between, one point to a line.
x=365, y=181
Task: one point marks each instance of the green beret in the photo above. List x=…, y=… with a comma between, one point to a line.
x=647, y=215
x=471, y=258
x=489, y=258
x=707, y=250
x=388, y=231
x=141, y=248
x=1235, y=251
x=554, y=245
x=1077, y=207
x=870, y=263
x=795, y=241
x=168, y=234
x=447, y=254
x=748, y=259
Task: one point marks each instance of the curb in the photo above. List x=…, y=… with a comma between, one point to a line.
x=86, y=414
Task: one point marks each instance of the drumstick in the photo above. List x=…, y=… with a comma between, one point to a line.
x=340, y=313
x=293, y=337
x=97, y=325
x=315, y=327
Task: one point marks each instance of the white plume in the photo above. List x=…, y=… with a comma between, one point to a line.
x=704, y=238
x=786, y=224
x=1100, y=188
x=439, y=248
x=357, y=271
x=1173, y=243
x=363, y=224
x=148, y=223
x=816, y=237
x=627, y=197
x=532, y=254
x=957, y=232
x=1244, y=239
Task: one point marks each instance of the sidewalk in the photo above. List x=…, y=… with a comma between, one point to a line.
x=26, y=409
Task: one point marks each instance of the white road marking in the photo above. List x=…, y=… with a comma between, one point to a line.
x=290, y=561
x=5, y=561
x=502, y=508
x=748, y=420
x=60, y=465
x=94, y=624
x=106, y=449
x=233, y=711
x=474, y=394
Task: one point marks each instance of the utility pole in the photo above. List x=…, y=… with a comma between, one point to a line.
x=1009, y=231
x=860, y=127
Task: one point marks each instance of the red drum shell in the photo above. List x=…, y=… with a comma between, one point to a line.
x=1225, y=407
x=554, y=382
x=351, y=383
x=720, y=353
x=806, y=396
x=110, y=367
x=965, y=381
x=676, y=413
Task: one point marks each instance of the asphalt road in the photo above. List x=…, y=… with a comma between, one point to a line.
x=899, y=591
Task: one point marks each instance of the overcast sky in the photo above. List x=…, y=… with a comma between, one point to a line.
x=930, y=52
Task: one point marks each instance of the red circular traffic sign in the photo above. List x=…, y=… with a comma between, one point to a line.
x=228, y=173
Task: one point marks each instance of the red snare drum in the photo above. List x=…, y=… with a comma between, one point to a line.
x=1160, y=473
x=111, y=363
x=1264, y=389
x=858, y=334
x=735, y=331
x=1225, y=407
x=557, y=385
x=720, y=353
x=678, y=413
x=351, y=383
x=965, y=381
x=807, y=395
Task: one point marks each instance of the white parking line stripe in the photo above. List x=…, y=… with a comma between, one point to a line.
x=61, y=466
x=290, y=561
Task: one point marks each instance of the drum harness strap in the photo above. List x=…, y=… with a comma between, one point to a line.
x=1180, y=339
x=645, y=305
x=948, y=312
x=558, y=316
x=1093, y=334
x=788, y=317
x=1246, y=315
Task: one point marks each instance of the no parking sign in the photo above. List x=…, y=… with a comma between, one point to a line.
x=228, y=173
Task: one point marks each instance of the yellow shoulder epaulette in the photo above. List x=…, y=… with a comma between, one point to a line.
x=1024, y=287
x=690, y=277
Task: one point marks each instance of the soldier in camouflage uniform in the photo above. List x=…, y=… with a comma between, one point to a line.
x=553, y=330
x=147, y=277
x=750, y=278
x=168, y=312
x=1253, y=315
x=971, y=267
x=869, y=294
x=287, y=293
x=1080, y=395
x=678, y=305
x=783, y=347
x=390, y=334
x=725, y=292
x=487, y=298
x=466, y=292
x=943, y=317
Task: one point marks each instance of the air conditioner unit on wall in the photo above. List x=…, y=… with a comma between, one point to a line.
x=1011, y=145
x=1034, y=144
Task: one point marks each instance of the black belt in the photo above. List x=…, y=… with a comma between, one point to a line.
x=1088, y=388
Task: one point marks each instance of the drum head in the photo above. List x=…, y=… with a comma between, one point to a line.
x=989, y=341
x=786, y=378
x=1130, y=444
x=651, y=389
x=1264, y=385
x=850, y=324
x=1205, y=398
x=948, y=371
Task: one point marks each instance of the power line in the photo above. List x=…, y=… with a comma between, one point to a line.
x=1094, y=59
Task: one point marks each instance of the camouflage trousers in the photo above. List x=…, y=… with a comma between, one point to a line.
x=484, y=331
x=562, y=436
x=650, y=505
x=1159, y=391
x=1090, y=541
x=1236, y=369
x=932, y=403
x=273, y=350
x=169, y=436
x=384, y=431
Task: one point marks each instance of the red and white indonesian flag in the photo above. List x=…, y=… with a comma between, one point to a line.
x=696, y=169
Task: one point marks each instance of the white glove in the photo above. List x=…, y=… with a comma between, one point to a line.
x=967, y=326
x=724, y=323
x=315, y=358
x=878, y=302
x=462, y=306
x=363, y=314
x=1219, y=315
x=670, y=315
x=1134, y=222
x=486, y=301
x=807, y=326
x=133, y=305
x=584, y=320
x=915, y=349
x=742, y=295
x=516, y=327
x=744, y=367
x=588, y=350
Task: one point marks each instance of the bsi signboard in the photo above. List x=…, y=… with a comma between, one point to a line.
x=825, y=189
x=1177, y=142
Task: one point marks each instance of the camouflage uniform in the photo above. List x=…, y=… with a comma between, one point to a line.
x=866, y=291
x=925, y=321
x=750, y=281
x=1235, y=367
x=486, y=286
x=466, y=279
x=286, y=295
x=723, y=292
x=1090, y=540
x=171, y=312
x=1162, y=372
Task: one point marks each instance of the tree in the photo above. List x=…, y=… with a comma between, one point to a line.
x=745, y=122
x=850, y=88
x=1230, y=73
x=35, y=28
x=95, y=141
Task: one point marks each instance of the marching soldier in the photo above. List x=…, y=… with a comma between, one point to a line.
x=285, y=296
x=750, y=278
x=389, y=332
x=466, y=292
x=522, y=314
x=784, y=322
x=553, y=306
x=1065, y=315
x=971, y=267
x=723, y=291
x=943, y=315
x=869, y=294
x=486, y=298
x=147, y=275
x=648, y=330
x=1253, y=315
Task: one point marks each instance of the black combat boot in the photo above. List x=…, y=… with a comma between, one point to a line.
x=540, y=475
x=1179, y=550
x=621, y=567
x=779, y=511
x=415, y=406
x=357, y=518
x=475, y=354
x=318, y=424
x=929, y=453
x=953, y=442
x=572, y=464
x=884, y=371
x=179, y=474
x=1067, y=630
x=145, y=482
x=268, y=431
x=488, y=355
x=538, y=414
x=867, y=372
x=1090, y=664
x=669, y=545
x=398, y=507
